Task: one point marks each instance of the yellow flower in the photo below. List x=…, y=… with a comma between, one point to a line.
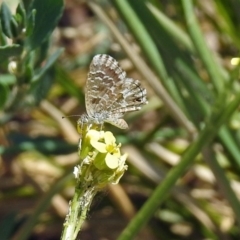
x=102, y=162
x=121, y=169
x=109, y=152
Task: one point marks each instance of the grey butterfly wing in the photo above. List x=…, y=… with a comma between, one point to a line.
x=109, y=92
x=101, y=88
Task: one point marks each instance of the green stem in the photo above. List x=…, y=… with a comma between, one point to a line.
x=83, y=215
x=162, y=191
x=204, y=52
x=79, y=207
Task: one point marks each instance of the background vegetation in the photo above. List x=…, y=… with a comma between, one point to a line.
x=183, y=180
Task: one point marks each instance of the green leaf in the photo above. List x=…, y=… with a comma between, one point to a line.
x=28, y=68
x=14, y=27
x=42, y=82
x=21, y=15
x=31, y=22
x=51, y=60
x=10, y=51
x=47, y=16
x=3, y=38
x=9, y=23
x=40, y=89
x=26, y=4
x=4, y=95
x=6, y=16
x=42, y=53
x=7, y=80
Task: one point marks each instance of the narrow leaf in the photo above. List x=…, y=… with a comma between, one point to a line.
x=6, y=16
x=47, y=16
x=4, y=95
x=10, y=51
x=51, y=60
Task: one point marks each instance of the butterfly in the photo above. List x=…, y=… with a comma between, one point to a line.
x=110, y=94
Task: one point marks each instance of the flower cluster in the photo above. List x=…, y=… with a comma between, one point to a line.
x=102, y=162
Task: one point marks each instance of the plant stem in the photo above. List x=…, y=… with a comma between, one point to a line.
x=79, y=207
x=212, y=127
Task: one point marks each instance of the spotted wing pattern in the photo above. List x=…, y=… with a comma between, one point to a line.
x=110, y=94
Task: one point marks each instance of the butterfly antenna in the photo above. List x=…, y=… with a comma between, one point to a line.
x=69, y=116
